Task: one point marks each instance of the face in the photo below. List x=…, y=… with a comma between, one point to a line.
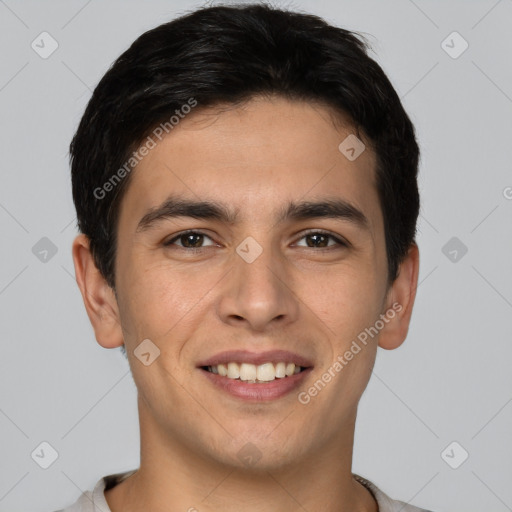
x=282, y=262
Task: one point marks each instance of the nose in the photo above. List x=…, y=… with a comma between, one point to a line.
x=258, y=294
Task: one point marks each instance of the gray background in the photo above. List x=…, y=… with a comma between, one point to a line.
x=450, y=381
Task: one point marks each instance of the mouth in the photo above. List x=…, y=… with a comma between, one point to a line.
x=256, y=377
x=255, y=374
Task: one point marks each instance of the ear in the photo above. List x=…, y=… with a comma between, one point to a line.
x=400, y=299
x=99, y=298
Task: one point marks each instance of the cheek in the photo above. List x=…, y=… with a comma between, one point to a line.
x=162, y=297
x=347, y=301
x=350, y=307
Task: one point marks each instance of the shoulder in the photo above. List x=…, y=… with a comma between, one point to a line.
x=83, y=504
x=94, y=501
x=386, y=504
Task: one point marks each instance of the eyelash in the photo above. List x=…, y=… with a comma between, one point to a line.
x=339, y=242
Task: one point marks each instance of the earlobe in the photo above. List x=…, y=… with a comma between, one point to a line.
x=99, y=298
x=400, y=299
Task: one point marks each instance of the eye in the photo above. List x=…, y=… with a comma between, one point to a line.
x=321, y=239
x=196, y=240
x=190, y=240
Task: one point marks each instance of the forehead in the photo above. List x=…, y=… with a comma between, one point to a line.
x=254, y=158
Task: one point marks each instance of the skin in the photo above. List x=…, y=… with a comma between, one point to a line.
x=193, y=305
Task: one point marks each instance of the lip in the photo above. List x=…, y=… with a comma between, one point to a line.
x=256, y=358
x=257, y=392
x=267, y=391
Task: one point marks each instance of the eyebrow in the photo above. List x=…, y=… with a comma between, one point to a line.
x=174, y=207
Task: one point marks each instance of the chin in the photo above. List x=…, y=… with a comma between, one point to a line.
x=257, y=452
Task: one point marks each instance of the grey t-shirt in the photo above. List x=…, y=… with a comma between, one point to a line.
x=94, y=501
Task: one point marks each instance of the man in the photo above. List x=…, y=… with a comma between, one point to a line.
x=245, y=186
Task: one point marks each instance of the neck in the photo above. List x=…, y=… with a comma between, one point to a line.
x=172, y=476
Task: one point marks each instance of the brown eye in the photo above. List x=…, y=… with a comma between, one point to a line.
x=189, y=240
x=319, y=239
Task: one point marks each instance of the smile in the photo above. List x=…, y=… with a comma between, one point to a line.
x=255, y=374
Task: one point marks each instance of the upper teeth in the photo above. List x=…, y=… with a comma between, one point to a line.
x=250, y=372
